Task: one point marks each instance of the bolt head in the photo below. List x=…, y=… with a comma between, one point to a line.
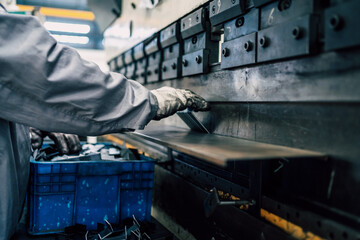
x=198, y=59
x=225, y=52
x=297, y=32
x=239, y=22
x=248, y=46
x=336, y=22
x=185, y=63
x=263, y=42
x=173, y=66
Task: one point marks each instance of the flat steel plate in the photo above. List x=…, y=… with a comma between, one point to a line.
x=216, y=149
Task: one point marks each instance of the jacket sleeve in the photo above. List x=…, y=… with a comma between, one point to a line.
x=48, y=86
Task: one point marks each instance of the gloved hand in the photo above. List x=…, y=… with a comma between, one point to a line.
x=65, y=143
x=171, y=100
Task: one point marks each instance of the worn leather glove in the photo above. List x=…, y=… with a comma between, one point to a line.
x=65, y=143
x=171, y=100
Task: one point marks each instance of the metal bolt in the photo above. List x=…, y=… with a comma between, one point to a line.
x=183, y=25
x=149, y=73
x=248, y=46
x=263, y=42
x=239, y=22
x=336, y=22
x=297, y=32
x=284, y=4
x=142, y=74
x=233, y=1
x=194, y=40
x=225, y=52
x=213, y=9
x=185, y=63
x=197, y=18
x=164, y=68
x=156, y=71
x=198, y=59
x=173, y=66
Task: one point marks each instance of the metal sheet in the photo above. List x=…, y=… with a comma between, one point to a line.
x=171, y=68
x=289, y=39
x=284, y=10
x=342, y=26
x=239, y=52
x=241, y=26
x=195, y=63
x=172, y=51
x=170, y=35
x=219, y=150
x=224, y=10
x=193, y=23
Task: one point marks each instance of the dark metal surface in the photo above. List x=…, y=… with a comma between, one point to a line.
x=341, y=26
x=219, y=150
x=243, y=25
x=221, y=11
x=238, y=52
x=171, y=68
x=197, y=42
x=284, y=10
x=170, y=35
x=327, y=77
x=289, y=39
x=173, y=51
x=258, y=3
x=193, y=23
x=195, y=63
x=183, y=202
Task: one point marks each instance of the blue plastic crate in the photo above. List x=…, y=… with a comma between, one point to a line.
x=63, y=194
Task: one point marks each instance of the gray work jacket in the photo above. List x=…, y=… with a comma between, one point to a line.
x=48, y=86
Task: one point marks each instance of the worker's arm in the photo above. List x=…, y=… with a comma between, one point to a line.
x=48, y=86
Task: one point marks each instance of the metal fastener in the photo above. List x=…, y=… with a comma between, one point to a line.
x=263, y=42
x=248, y=46
x=225, y=52
x=185, y=63
x=336, y=22
x=239, y=22
x=164, y=68
x=297, y=32
x=198, y=59
x=173, y=66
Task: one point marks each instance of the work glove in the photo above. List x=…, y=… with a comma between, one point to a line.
x=171, y=100
x=65, y=143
